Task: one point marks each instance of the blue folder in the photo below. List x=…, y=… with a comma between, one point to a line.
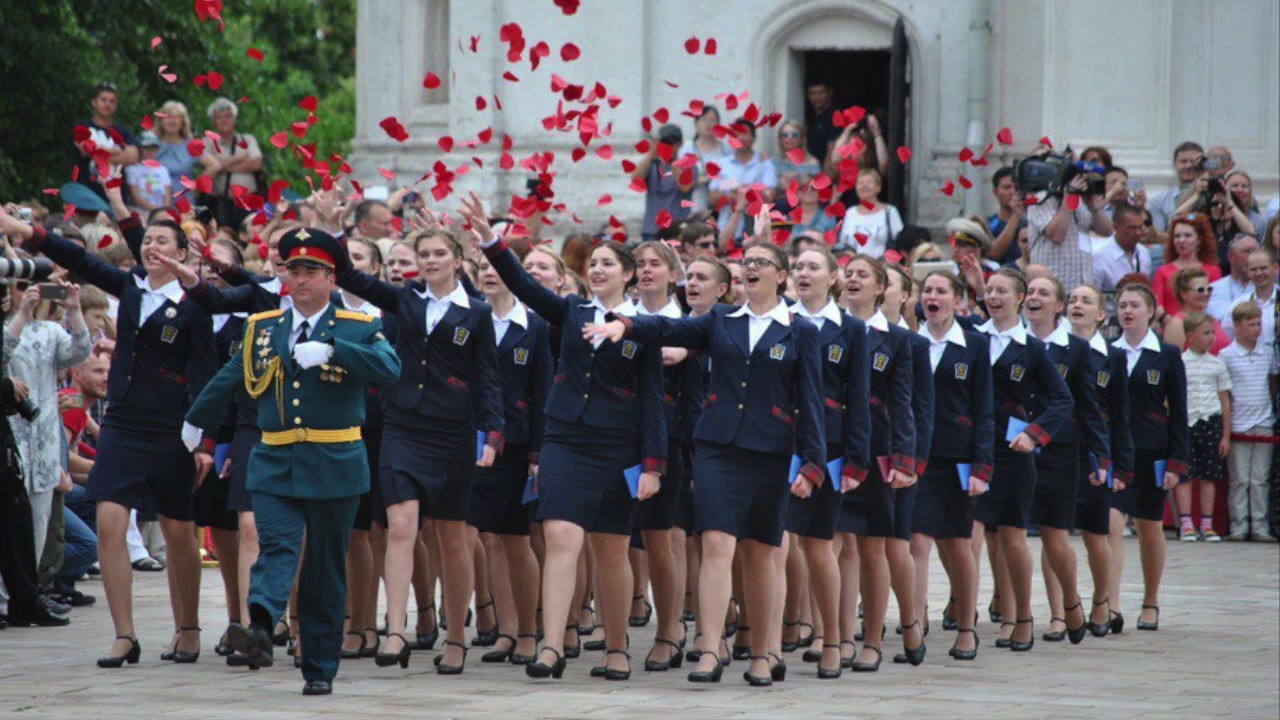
x=1016, y=426
x=796, y=464
x=1093, y=465
x=834, y=469
x=480, y=437
x=964, y=470
x=530, y=492
x=632, y=476
x=1161, y=467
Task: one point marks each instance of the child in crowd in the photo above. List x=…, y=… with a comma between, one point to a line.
x=1209, y=417
x=1253, y=369
x=149, y=183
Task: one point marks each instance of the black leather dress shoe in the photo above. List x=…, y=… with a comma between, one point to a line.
x=317, y=687
x=52, y=605
x=41, y=617
x=254, y=643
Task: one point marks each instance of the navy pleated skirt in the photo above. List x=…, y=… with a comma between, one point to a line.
x=741, y=492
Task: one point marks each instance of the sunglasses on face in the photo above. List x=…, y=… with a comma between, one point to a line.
x=759, y=262
x=789, y=134
x=706, y=244
x=1205, y=290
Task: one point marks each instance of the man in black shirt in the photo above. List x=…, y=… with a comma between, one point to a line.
x=105, y=135
x=822, y=131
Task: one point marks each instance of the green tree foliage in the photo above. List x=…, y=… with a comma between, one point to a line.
x=52, y=53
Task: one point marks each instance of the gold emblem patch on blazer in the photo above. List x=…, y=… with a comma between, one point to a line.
x=629, y=349
x=834, y=353
x=777, y=352
x=1016, y=372
x=880, y=362
x=460, y=336
x=962, y=371
x=1153, y=377
x=1104, y=378
x=1062, y=370
x=169, y=333
x=522, y=356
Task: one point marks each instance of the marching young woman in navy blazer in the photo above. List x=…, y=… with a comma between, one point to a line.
x=240, y=291
x=604, y=416
x=1109, y=381
x=963, y=427
x=164, y=355
x=657, y=269
x=869, y=514
x=1020, y=368
x=1158, y=421
x=449, y=387
x=763, y=406
x=497, y=509
x=707, y=283
x=1057, y=466
x=846, y=397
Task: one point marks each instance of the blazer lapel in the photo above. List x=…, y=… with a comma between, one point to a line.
x=772, y=336
x=514, y=335
x=951, y=354
x=875, y=339
x=738, y=329
x=1147, y=359
x=451, y=319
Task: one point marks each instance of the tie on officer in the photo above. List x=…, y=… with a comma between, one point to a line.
x=309, y=369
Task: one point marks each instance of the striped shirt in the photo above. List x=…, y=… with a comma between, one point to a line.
x=1250, y=385
x=1067, y=260
x=1206, y=377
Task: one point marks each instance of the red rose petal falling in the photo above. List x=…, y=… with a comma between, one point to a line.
x=1073, y=202
x=569, y=52
x=431, y=81
x=1005, y=136
x=710, y=46
x=692, y=45
x=904, y=154
x=308, y=103
x=948, y=189
x=254, y=53
x=388, y=174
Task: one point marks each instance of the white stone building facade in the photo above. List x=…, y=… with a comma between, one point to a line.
x=1135, y=76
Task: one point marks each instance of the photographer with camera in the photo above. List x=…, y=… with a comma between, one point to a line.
x=1067, y=208
x=39, y=349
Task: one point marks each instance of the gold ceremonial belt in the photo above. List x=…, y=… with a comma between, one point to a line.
x=298, y=435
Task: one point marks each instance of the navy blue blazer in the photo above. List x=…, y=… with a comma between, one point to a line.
x=696, y=376
x=768, y=399
x=524, y=368
x=893, y=424
x=1020, y=372
x=1109, y=381
x=1158, y=406
x=922, y=399
x=846, y=390
x=964, y=418
x=617, y=386
x=159, y=368
x=449, y=375
x=1085, y=425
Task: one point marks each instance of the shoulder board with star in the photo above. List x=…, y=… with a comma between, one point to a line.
x=352, y=315
x=265, y=315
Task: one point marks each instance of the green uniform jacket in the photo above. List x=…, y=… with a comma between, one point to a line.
x=328, y=397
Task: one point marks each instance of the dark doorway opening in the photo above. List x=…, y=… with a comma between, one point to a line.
x=858, y=77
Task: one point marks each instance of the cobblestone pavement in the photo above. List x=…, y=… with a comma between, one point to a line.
x=1217, y=654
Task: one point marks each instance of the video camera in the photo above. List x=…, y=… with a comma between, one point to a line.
x=1050, y=174
x=25, y=269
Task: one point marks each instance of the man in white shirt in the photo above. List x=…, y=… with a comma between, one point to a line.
x=744, y=169
x=1227, y=290
x=1262, y=273
x=1123, y=254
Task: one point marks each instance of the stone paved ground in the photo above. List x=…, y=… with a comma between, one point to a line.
x=1217, y=655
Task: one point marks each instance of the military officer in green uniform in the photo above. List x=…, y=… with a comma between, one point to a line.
x=309, y=369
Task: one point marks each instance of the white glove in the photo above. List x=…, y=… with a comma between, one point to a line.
x=310, y=354
x=191, y=436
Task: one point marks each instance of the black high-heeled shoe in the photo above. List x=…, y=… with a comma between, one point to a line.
x=640, y=620
x=731, y=628
x=371, y=650
x=131, y=657
x=1004, y=642
x=845, y=662
x=949, y=622
x=223, y=648
x=742, y=652
x=612, y=674
x=1055, y=635
x=1103, y=628
x=442, y=669
x=427, y=641
x=586, y=629
x=861, y=635
x=499, y=656
x=825, y=674
x=758, y=680
x=778, y=672
x=913, y=656
x=1143, y=625
x=688, y=615
x=401, y=658
x=694, y=654
x=167, y=654
x=672, y=662
x=524, y=659
x=183, y=657
x=485, y=638
x=707, y=676
x=354, y=654
x=788, y=646
x=574, y=650
x=281, y=638
x=1076, y=635
x=1018, y=645
x=959, y=654
x=992, y=610
x=868, y=667
x=1115, y=621
x=813, y=656
x=541, y=670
